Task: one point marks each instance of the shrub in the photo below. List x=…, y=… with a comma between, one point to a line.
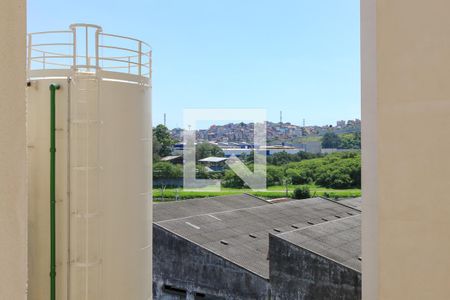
x=301, y=192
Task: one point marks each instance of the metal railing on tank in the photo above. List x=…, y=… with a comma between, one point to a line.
x=86, y=48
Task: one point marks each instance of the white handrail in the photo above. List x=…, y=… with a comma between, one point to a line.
x=126, y=38
x=51, y=32
x=52, y=44
x=120, y=60
x=86, y=60
x=50, y=63
x=118, y=48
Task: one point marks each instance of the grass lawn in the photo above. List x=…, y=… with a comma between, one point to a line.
x=272, y=192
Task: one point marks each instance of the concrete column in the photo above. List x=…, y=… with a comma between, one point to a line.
x=406, y=147
x=13, y=195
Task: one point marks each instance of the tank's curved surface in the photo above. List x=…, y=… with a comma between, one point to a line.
x=103, y=163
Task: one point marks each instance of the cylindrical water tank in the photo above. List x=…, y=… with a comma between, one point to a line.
x=103, y=163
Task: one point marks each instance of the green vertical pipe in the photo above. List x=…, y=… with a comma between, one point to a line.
x=53, y=88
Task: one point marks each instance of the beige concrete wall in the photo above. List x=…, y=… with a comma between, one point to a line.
x=406, y=113
x=13, y=203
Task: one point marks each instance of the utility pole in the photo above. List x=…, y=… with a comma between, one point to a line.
x=165, y=120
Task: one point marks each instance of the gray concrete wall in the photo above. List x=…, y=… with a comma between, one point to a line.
x=296, y=273
x=13, y=191
x=183, y=264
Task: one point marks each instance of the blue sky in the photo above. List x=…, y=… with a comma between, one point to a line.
x=300, y=57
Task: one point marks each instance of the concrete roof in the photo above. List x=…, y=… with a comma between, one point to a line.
x=213, y=159
x=353, y=202
x=241, y=235
x=170, y=157
x=163, y=211
x=338, y=240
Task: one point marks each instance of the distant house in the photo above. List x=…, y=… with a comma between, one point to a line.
x=175, y=159
x=236, y=151
x=313, y=147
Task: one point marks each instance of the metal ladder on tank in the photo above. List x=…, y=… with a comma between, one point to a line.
x=85, y=199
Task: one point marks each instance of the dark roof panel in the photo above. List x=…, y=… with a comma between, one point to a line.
x=339, y=240
x=353, y=202
x=186, y=208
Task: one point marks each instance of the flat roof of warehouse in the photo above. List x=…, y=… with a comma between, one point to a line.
x=353, y=202
x=338, y=240
x=186, y=208
x=241, y=235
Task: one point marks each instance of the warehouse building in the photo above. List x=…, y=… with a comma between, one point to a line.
x=242, y=247
x=321, y=261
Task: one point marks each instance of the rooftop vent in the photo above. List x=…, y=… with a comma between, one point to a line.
x=223, y=242
x=310, y=223
x=252, y=236
x=294, y=226
x=337, y=216
x=350, y=213
x=323, y=219
x=174, y=290
x=276, y=230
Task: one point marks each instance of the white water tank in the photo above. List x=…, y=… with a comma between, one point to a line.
x=103, y=164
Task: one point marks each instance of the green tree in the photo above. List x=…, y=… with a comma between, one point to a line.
x=331, y=140
x=156, y=148
x=274, y=175
x=162, y=141
x=248, y=158
x=286, y=182
x=282, y=158
x=166, y=170
x=297, y=176
x=204, y=150
x=351, y=141
x=337, y=170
